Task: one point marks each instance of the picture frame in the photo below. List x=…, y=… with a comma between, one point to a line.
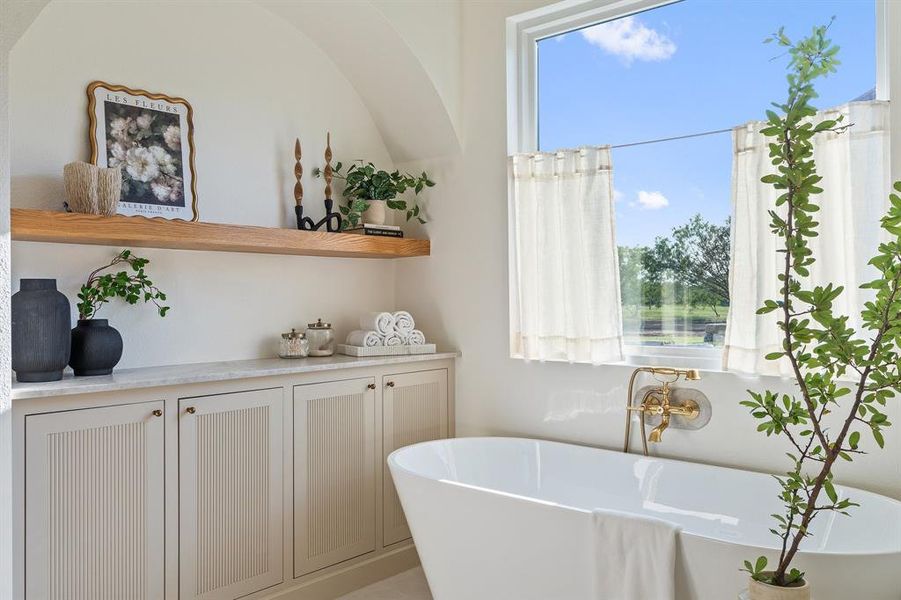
x=151, y=137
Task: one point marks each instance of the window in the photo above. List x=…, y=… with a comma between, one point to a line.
x=664, y=84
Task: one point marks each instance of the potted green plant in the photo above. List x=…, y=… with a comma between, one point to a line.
x=96, y=346
x=369, y=192
x=845, y=374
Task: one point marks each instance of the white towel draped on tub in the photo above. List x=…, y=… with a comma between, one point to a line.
x=380, y=322
x=635, y=557
x=403, y=323
x=362, y=337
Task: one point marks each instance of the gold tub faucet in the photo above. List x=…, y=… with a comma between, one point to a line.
x=658, y=402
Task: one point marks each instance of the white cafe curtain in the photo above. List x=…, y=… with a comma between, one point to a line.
x=564, y=275
x=855, y=170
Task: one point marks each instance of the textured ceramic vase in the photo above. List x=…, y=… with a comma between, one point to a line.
x=376, y=213
x=96, y=348
x=40, y=331
x=763, y=591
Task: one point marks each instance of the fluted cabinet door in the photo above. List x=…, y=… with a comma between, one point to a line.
x=334, y=473
x=414, y=409
x=230, y=494
x=95, y=496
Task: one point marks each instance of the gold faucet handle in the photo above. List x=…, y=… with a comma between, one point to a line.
x=689, y=410
x=651, y=409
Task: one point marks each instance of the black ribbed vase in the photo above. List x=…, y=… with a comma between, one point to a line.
x=40, y=331
x=96, y=348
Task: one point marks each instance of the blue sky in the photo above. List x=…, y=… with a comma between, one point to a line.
x=693, y=66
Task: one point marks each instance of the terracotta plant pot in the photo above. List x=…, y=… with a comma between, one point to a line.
x=376, y=213
x=765, y=591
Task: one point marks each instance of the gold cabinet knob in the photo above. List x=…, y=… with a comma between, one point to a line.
x=370, y=386
x=390, y=384
x=190, y=410
x=157, y=413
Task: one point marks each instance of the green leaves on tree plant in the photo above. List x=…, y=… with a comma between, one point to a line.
x=821, y=348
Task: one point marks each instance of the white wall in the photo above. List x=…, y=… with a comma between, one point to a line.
x=15, y=17
x=255, y=83
x=460, y=296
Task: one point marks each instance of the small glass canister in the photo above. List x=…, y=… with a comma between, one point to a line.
x=293, y=345
x=321, y=338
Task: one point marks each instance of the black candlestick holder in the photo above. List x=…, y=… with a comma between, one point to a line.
x=331, y=220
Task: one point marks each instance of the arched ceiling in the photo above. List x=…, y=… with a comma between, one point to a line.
x=405, y=105
x=401, y=97
x=16, y=16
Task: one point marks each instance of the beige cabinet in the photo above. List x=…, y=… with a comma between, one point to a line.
x=230, y=494
x=334, y=472
x=274, y=485
x=414, y=409
x=95, y=497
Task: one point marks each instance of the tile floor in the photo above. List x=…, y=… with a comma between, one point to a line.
x=409, y=585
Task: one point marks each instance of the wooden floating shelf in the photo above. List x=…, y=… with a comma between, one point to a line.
x=74, y=228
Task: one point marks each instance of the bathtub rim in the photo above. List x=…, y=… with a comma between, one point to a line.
x=393, y=464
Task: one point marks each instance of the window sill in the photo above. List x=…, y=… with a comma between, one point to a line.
x=682, y=357
x=685, y=357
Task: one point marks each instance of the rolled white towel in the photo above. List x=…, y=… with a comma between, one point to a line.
x=394, y=340
x=365, y=338
x=380, y=322
x=403, y=323
x=416, y=338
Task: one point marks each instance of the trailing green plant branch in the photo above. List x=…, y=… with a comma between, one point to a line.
x=132, y=287
x=820, y=346
x=362, y=183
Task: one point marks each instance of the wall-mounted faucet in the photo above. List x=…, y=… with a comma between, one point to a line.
x=657, y=401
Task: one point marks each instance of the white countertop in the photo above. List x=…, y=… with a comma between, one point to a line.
x=124, y=379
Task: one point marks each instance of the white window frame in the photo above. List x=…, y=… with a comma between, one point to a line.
x=525, y=30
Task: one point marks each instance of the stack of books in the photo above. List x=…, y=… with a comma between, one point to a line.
x=382, y=230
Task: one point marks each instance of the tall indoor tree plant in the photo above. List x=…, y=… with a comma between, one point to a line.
x=842, y=376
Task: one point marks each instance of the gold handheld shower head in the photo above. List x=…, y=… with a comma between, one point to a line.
x=688, y=374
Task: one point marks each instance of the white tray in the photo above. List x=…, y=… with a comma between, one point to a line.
x=386, y=350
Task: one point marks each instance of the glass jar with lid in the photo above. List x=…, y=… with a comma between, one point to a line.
x=293, y=344
x=321, y=338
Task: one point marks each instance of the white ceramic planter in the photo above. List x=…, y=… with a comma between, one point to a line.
x=763, y=591
x=376, y=213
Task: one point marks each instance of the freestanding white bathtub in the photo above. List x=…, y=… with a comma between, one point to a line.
x=503, y=518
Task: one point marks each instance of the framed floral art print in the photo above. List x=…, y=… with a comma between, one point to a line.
x=151, y=138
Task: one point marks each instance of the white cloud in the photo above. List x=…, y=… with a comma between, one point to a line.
x=651, y=200
x=618, y=195
x=630, y=39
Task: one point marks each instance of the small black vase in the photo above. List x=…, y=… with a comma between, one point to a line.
x=96, y=348
x=40, y=331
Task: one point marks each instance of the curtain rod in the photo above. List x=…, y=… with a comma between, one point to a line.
x=703, y=133
x=669, y=139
